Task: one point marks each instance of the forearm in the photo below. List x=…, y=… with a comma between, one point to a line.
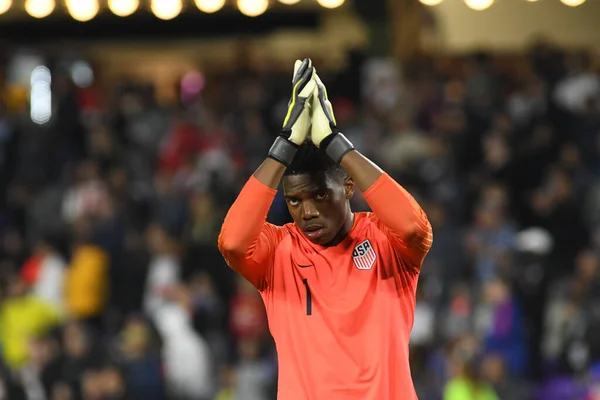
x=269, y=173
x=362, y=170
x=247, y=241
x=246, y=217
x=390, y=202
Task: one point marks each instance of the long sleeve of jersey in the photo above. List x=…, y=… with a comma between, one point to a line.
x=247, y=241
x=401, y=219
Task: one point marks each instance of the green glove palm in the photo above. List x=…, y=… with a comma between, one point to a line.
x=324, y=132
x=297, y=120
x=323, y=119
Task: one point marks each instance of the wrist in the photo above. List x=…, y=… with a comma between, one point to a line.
x=336, y=145
x=283, y=150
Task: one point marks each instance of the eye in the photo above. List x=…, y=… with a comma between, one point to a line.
x=321, y=196
x=293, y=201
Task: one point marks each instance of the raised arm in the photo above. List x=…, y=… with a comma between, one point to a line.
x=399, y=215
x=247, y=241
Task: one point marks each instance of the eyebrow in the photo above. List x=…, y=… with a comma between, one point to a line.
x=292, y=195
x=311, y=192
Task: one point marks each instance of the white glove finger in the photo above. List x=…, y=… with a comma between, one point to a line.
x=329, y=109
x=308, y=89
x=315, y=96
x=322, y=104
x=319, y=81
x=316, y=102
x=297, y=66
x=319, y=94
x=321, y=86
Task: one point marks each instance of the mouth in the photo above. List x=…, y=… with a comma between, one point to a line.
x=314, y=232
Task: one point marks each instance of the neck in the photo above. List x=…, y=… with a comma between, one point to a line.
x=343, y=232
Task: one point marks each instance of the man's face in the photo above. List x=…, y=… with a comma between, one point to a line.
x=318, y=204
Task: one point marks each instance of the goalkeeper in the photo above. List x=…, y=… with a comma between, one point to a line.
x=338, y=287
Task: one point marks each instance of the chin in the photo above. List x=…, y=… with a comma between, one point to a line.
x=323, y=240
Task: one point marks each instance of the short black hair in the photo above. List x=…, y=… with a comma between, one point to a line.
x=312, y=160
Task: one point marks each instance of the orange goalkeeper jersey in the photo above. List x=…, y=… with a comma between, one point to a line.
x=340, y=316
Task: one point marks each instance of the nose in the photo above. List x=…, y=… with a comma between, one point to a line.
x=309, y=210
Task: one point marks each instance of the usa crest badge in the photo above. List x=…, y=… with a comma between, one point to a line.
x=364, y=255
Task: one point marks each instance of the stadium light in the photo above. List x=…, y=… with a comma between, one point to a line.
x=252, y=8
x=82, y=10
x=5, y=5
x=431, y=2
x=209, y=6
x=572, y=3
x=289, y=2
x=479, y=5
x=82, y=74
x=330, y=3
x=123, y=8
x=166, y=9
x=39, y=8
x=40, y=95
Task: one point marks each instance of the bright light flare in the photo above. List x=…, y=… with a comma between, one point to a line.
x=209, y=6
x=39, y=8
x=123, y=8
x=330, y=3
x=82, y=10
x=253, y=8
x=5, y=5
x=479, y=5
x=166, y=9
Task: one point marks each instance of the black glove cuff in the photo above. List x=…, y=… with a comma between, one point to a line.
x=337, y=146
x=283, y=151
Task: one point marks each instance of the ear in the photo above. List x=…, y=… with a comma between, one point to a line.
x=349, y=187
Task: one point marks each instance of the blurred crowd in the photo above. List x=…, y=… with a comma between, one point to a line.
x=111, y=285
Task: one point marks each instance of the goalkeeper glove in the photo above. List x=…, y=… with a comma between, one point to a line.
x=324, y=133
x=297, y=120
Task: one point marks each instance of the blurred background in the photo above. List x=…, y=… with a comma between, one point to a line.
x=128, y=127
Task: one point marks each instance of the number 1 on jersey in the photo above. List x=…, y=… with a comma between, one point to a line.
x=308, y=298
